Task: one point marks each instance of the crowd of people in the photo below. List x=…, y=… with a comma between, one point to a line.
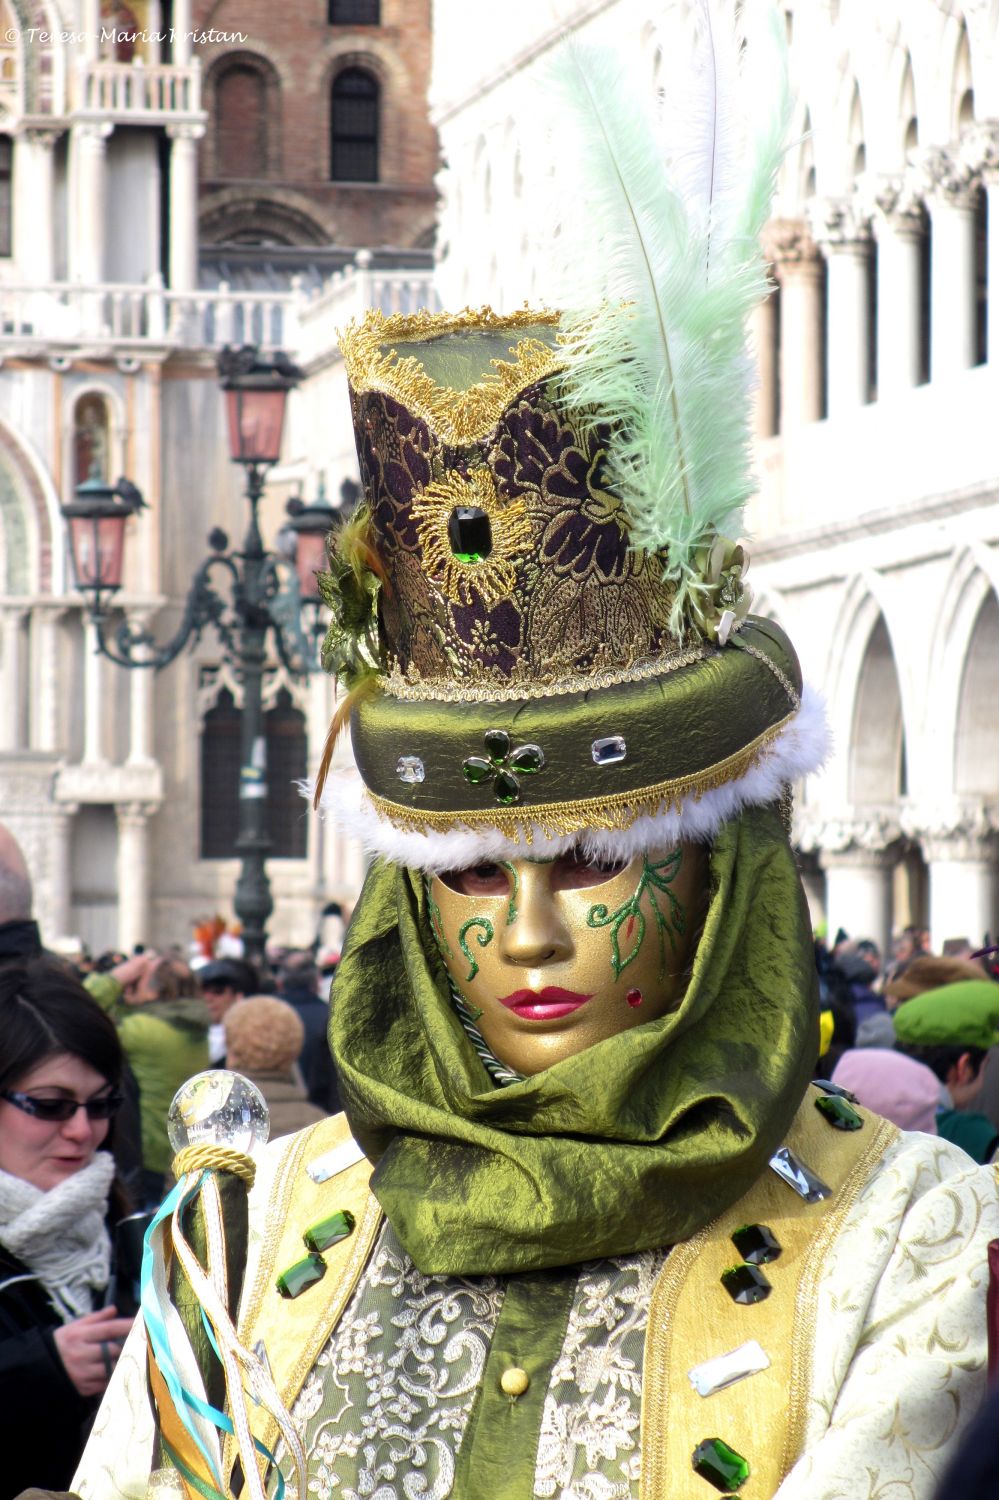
x=913, y=1037
x=93, y=1053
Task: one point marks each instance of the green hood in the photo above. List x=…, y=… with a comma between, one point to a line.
x=637, y=1142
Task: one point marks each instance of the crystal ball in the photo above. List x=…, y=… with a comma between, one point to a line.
x=218, y=1108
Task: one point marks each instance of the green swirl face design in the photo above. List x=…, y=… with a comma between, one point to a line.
x=653, y=893
x=558, y=955
x=483, y=937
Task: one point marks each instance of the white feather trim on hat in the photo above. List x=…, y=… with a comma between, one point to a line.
x=799, y=749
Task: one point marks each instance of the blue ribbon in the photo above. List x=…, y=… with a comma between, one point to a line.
x=182, y=1398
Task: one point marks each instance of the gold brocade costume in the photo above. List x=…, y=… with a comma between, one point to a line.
x=871, y=1368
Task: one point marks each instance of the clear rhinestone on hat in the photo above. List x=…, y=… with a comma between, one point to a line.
x=610, y=751
x=410, y=769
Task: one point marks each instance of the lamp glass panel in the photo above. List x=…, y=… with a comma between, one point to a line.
x=310, y=559
x=256, y=418
x=98, y=548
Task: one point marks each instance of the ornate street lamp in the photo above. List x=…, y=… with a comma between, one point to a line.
x=97, y=519
x=262, y=596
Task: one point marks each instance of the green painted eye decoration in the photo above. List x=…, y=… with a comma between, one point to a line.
x=483, y=938
x=504, y=764
x=629, y=916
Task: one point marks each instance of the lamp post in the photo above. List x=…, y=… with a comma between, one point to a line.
x=261, y=596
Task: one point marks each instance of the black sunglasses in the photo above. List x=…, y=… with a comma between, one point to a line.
x=63, y=1109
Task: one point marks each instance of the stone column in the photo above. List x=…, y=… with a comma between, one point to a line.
x=14, y=695
x=763, y=334
x=858, y=893
x=798, y=267
x=34, y=217
x=964, y=887
x=61, y=869
x=88, y=199
x=133, y=873
x=980, y=153
x=950, y=200
x=182, y=32
x=184, y=206
x=844, y=236
x=899, y=228
x=96, y=708
x=141, y=688
x=47, y=678
x=91, y=29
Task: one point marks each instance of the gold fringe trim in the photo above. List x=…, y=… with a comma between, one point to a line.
x=492, y=578
x=615, y=812
x=414, y=689
x=455, y=416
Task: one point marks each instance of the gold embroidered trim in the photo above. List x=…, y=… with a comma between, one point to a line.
x=780, y=675
x=455, y=416
x=806, y=1301
x=557, y=819
x=414, y=689
x=494, y=576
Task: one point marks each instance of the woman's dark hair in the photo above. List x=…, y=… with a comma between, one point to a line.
x=45, y=1010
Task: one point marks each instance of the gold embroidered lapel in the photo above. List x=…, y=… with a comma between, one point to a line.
x=295, y=1330
x=692, y=1318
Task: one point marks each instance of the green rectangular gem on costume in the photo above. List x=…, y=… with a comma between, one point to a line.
x=299, y=1277
x=719, y=1464
x=329, y=1231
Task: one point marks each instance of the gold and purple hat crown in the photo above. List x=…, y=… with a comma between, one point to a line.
x=517, y=678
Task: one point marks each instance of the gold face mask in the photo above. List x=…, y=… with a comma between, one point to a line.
x=551, y=956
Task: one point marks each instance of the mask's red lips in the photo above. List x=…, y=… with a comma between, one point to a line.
x=548, y=1005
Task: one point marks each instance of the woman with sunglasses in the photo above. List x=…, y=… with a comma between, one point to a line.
x=60, y=1066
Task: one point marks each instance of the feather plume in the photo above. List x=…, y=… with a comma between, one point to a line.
x=660, y=269
x=364, y=688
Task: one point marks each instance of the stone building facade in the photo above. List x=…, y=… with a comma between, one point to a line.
x=875, y=532
x=119, y=783
x=292, y=113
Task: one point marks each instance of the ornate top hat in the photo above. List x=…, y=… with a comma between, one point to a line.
x=538, y=611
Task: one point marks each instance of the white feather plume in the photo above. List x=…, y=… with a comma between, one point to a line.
x=659, y=203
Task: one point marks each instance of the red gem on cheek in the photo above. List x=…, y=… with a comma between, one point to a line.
x=634, y=998
x=630, y=927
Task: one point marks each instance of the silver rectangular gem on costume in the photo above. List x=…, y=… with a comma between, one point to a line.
x=337, y=1160
x=792, y=1170
x=725, y=1369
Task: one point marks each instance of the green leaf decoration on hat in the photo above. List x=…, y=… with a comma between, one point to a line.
x=351, y=590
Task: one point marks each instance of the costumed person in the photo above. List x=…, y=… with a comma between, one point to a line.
x=586, y=1230
x=60, y=1065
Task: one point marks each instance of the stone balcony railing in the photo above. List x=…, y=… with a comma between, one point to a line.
x=129, y=93
x=117, y=320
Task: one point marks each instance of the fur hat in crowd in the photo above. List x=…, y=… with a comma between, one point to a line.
x=262, y=1035
x=930, y=972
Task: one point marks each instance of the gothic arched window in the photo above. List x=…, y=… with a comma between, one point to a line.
x=241, y=123
x=6, y=196
x=354, y=127
x=355, y=13
x=91, y=439
x=287, y=746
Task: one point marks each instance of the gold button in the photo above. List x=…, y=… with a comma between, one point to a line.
x=514, y=1382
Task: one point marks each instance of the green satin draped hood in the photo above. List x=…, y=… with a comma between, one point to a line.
x=637, y=1142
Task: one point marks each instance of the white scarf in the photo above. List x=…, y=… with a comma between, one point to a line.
x=60, y=1234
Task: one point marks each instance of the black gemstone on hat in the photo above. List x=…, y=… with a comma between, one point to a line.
x=756, y=1243
x=469, y=533
x=745, y=1284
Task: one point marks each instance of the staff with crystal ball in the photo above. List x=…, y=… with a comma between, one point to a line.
x=586, y=1230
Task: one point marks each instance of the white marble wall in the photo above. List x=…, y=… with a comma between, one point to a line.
x=875, y=533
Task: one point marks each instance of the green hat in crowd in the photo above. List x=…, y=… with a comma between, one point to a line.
x=956, y=1015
